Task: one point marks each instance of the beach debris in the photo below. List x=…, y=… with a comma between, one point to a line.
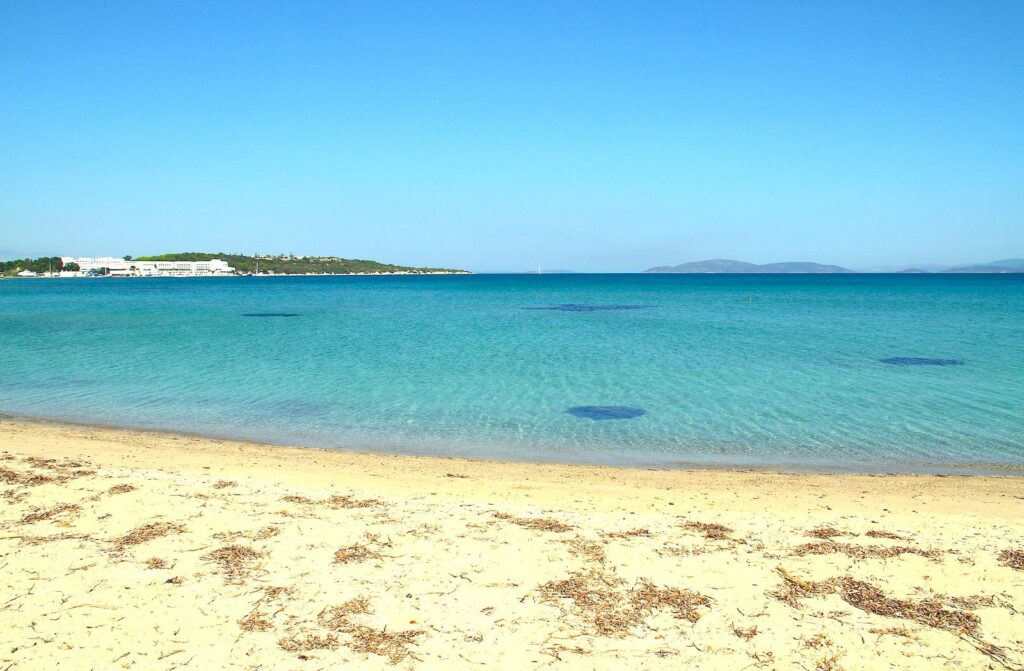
x=862, y=551
x=336, y=618
x=336, y=501
x=793, y=589
x=1013, y=559
x=829, y=662
x=14, y=496
x=255, y=621
x=587, y=549
x=266, y=532
x=629, y=533
x=12, y=477
x=746, y=633
x=892, y=631
x=932, y=612
x=881, y=533
x=593, y=307
x=535, y=523
x=255, y=535
x=277, y=591
x=147, y=532
x=157, y=563
x=819, y=640
x=224, y=484
x=304, y=500
x=393, y=645
x=345, y=501
x=121, y=489
x=353, y=554
x=604, y=412
x=712, y=531
x=39, y=515
x=600, y=599
x=827, y=532
x=308, y=642
x=673, y=550
x=920, y=361
x=236, y=561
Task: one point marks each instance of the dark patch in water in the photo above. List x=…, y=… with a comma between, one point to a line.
x=270, y=314
x=606, y=412
x=578, y=307
x=916, y=361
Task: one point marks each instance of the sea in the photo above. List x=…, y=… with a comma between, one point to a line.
x=868, y=373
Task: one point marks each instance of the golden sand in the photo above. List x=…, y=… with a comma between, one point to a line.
x=133, y=550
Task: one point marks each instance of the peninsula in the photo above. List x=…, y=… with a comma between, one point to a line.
x=191, y=264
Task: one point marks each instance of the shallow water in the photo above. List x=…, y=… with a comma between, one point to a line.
x=793, y=370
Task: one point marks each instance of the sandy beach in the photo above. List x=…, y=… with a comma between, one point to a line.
x=134, y=550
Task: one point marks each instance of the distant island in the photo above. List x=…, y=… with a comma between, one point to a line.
x=730, y=266
x=1002, y=266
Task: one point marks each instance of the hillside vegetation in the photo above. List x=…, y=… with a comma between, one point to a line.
x=331, y=265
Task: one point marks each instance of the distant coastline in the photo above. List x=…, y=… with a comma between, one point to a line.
x=205, y=264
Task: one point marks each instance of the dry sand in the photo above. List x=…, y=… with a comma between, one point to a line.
x=135, y=550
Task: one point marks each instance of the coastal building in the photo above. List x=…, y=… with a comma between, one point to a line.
x=129, y=268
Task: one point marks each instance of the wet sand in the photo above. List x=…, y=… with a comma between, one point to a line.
x=137, y=550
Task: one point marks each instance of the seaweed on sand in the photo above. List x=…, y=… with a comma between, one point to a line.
x=870, y=599
x=354, y=554
x=147, y=532
x=255, y=621
x=862, y=551
x=50, y=513
x=882, y=533
x=236, y=561
x=12, y=477
x=599, y=599
x=629, y=533
x=308, y=642
x=391, y=644
x=1013, y=559
x=713, y=532
x=826, y=532
x=535, y=523
x=587, y=549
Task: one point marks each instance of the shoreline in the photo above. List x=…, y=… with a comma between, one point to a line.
x=145, y=550
x=815, y=467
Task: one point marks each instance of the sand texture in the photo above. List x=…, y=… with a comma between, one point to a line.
x=132, y=550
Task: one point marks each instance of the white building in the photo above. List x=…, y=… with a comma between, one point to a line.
x=122, y=268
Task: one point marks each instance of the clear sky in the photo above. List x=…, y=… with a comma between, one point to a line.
x=499, y=136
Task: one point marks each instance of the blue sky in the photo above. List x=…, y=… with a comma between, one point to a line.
x=500, y=136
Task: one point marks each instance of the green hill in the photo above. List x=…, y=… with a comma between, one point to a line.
x=331, y=265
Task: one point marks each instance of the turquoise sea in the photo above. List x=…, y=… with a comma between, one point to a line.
x=863, y=372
